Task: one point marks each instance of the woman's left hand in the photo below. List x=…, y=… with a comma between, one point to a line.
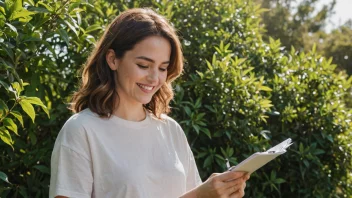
x=241, y=186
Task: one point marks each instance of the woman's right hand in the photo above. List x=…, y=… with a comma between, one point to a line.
x=223, y=185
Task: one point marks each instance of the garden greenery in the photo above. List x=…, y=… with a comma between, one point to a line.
x=237, y=95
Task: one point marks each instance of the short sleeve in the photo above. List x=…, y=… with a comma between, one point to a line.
x=192, y=175
x=71, y=167
x=193, y=178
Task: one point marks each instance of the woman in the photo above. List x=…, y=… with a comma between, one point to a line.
x=120, y=143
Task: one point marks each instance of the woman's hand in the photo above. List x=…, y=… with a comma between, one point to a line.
x=222, y=185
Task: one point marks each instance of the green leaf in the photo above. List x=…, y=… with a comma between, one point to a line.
x=202, y=154
x=33, y=138
x=206, y=131
x=17, y=115
x=318, y=151
x=17, y=87
x=198, y=103
x=210, y=67
x=16, y=6
x=330, y=138
x=21, y=14
x=71, y=27
x=10, y=124
x=208, y=161
x=187, y=110
x=79, y=19
x=279, y=181
x=12, y=6
x=5, y=85
x=28, y=108
x=12, y=28
x=42, y=168
x=264, y=88
x=247, y=70
x=265, y=103
x=210, y=108
x=306, y=163
x=48, y=7
x=93, y=28
x=36, y=101
x=273, y=175
x=6, y=137
x=38, y=9
x=3, y=106
x=196, y=127
x=2, y=10
x=200, y=116
x=301, y=148
x=4, y=177
x=9, y=53
x=64, y=36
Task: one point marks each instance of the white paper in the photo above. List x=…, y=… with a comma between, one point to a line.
x=259, y=159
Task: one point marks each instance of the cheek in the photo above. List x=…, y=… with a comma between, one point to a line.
x=163, y=77
x=132, y=74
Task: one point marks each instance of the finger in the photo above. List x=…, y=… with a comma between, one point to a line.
x=235, y=182
x=214, y=174
x=240, y=192
x=247, y=176
x=233, y=190
x=237, y=194
x=230, y=175
x=238, y=189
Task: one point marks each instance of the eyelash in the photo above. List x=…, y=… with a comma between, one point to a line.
x=146, y=67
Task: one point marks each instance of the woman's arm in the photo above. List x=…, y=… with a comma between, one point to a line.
x=228, y=184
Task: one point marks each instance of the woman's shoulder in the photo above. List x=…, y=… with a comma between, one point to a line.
x=171, y=124
x=167, y=120
x=78, y=120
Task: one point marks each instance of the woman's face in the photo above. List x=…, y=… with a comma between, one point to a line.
x=143, y=70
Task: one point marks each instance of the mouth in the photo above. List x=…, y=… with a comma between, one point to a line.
x=145, y=87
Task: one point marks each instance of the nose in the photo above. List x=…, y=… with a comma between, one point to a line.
x=153, y=75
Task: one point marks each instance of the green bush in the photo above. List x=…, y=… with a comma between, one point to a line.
x=43, y=44
x=238, y=94
x=254, y=94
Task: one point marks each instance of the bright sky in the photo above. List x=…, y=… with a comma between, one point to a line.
x=343, y=12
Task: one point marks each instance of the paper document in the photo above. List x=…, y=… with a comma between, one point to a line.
x=259, y=159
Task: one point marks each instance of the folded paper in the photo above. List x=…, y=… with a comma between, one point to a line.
x=259, y=159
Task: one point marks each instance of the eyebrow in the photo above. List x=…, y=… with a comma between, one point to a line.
x=150, y=60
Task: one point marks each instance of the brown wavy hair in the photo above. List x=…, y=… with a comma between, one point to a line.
x=98, y=86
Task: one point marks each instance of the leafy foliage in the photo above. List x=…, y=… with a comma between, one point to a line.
x=43, y=43
x=238, y=94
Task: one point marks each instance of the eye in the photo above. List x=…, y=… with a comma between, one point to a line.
x=162, y=69
x=142, y=66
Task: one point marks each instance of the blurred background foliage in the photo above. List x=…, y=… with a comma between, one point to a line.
x=252, y=78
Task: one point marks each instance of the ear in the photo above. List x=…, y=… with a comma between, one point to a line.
x=111, y=59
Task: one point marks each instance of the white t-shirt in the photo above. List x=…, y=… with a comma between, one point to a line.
x=110, y=158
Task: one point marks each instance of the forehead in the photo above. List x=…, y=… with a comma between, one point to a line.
x=155, y=47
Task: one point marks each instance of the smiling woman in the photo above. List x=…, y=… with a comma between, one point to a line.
x=120, y=142
x=141, y=72
x=98, y=89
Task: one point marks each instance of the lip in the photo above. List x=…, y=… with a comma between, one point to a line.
x=145, y=90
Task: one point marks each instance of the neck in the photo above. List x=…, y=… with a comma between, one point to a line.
x=130, y=112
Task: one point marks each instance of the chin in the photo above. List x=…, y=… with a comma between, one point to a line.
x=144, y=102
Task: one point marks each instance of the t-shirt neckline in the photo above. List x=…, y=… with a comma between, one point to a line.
x=133, y=124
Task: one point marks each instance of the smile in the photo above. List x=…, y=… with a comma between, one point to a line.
x=145, y=87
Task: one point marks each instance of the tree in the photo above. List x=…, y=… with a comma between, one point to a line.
x=291, y=23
